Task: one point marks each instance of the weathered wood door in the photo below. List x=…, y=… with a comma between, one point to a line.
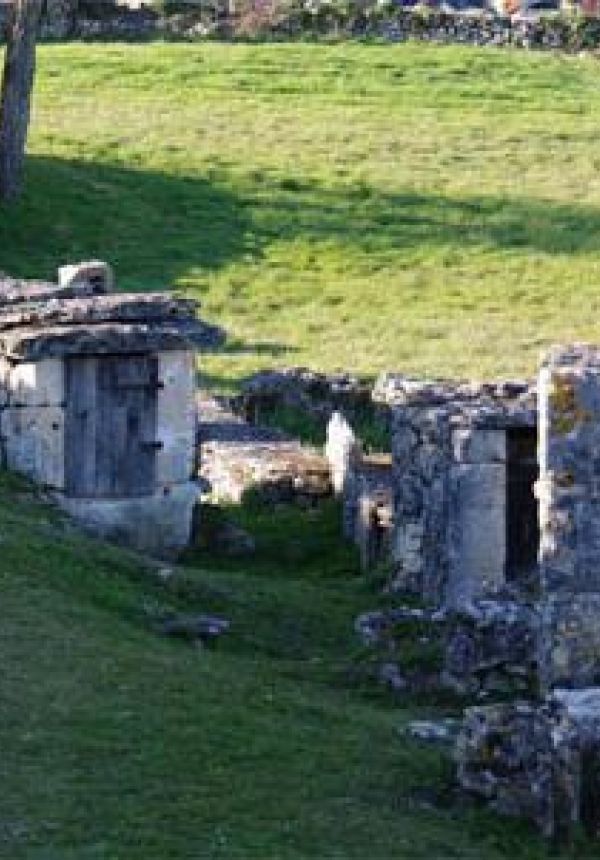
x=110, y=434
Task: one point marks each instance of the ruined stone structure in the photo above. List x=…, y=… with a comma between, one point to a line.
x=340, y=408
x=465, y=465
x=542, y=759
x=496, y=513
x=97, y=403
x=364, y=483
x=238, y=457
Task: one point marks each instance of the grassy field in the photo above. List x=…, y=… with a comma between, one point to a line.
x=427, y=209
x=369, y=207
x=120, y=745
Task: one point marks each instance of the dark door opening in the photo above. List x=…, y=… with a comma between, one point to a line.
x=522, y=525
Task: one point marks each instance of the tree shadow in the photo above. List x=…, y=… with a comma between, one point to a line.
x=377, y=222
x=269, y=348
x=157, y=227
x=153, y=227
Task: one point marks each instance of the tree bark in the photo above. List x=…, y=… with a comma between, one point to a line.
x=17, y=84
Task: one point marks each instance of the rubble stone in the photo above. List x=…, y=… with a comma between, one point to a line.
x=541, y=762
x=237, y=457
x=491, y=647
x=449, y=483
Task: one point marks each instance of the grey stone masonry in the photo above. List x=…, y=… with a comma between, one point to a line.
x=569, y=500
x=95, y=309
x=449, y=449
x=542, y=759
x=14, y=291
x=364, y=482
x=97, y=402
x=238, y=457
x=538, y=761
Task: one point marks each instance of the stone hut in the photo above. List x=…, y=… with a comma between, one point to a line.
x=97, y=403
x=465, y=468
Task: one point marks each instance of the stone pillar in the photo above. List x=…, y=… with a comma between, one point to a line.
x=569, y=500
x=341, y=448
x=343, y=453
x=477, y=514
x=95, y=276
x=421, y=451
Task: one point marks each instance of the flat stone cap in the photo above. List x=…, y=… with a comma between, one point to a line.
x=40, y=320
x=399, y=390
x=576, y=356
x=16, y=292
x=503, y=404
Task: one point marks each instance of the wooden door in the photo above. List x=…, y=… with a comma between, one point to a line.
x=110, y=434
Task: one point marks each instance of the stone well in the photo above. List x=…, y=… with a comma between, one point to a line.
x=97, y=403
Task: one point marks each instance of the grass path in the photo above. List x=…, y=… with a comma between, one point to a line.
x=413, y=207
x=120, y=745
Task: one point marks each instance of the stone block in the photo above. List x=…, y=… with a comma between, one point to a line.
x=160, y=524
x=477, y=532
x=94, y=275
x=341, y=450
x=408, y=541
x=176, y=460
x=537, y=761
x=569, y=645
x=504, y=755
x=176, y=396
x=176, y=417
x=33, y=440
x=491, y=647
x=36, y=384
x=479, y=445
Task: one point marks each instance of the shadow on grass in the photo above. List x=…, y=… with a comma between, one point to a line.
x=375, y=222
x=157, y=228
x=152, y=226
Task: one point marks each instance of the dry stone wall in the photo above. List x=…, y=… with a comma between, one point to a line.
x=569, y=497
x=542, y=759
x=479, y=25
x=449, y=463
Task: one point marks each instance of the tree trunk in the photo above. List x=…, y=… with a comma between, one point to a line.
x=17, y=84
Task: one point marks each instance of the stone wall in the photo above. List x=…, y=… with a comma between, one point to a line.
x=303, y=19
x=542, y=759
x=449, y=465
x=537, y=761
x=32, y=420
x=364, y=483
x=569, y=498
x=314, y=398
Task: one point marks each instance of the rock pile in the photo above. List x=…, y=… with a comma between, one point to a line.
x=237, y=457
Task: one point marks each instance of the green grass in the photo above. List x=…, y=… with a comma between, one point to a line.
x=121, y=745
x=422, y=208
x=427, y=209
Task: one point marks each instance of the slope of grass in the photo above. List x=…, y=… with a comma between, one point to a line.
x=121, y=745
x=412, y=207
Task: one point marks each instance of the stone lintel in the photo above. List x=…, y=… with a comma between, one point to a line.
x=128, y=307
x=104, y=339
